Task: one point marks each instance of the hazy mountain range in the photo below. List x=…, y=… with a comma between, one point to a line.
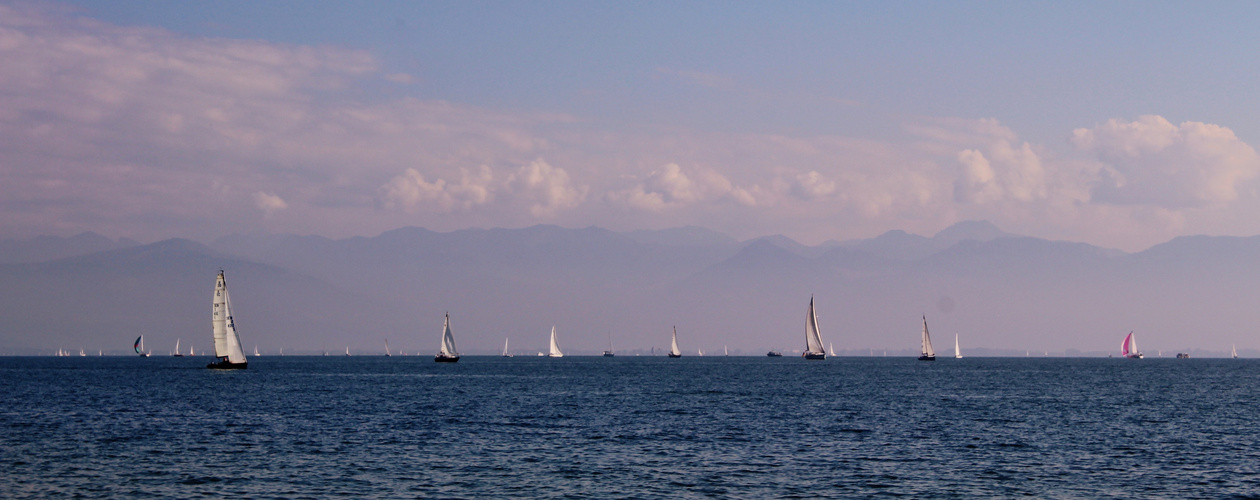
x=996, y=290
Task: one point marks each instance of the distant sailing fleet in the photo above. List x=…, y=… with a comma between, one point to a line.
x=229, y=355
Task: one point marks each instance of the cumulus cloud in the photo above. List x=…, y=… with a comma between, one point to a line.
x=269, y=203
x=670, y=187
x=1150, y=161
x=548, y=189
x=411, y=192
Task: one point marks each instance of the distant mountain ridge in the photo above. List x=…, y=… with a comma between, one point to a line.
x=996, y=289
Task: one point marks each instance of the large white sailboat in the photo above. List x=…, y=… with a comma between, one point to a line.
x=448, y=353
x=957, y=352
x=673, y=346
x=813, y=340
x=227, y=343
x=927, y=354
x=1129, y=349
x=176, y=352
x=554, y=350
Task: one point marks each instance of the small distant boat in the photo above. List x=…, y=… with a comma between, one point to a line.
x=139, y=347
x=227, y=343
x=1183, y=355
x=176, y=352
x=448, y=353
x=506, y=354
x=1233, y=351
x=100, y=352
x=1129, y=349
x=673, y=346
x=81, y=353
x=813, y=341
x=699, y=352
x=256, y=350
x=831, y=350
x=190, y=351
x=928, y=354
x=387, y=353
x=609, y=352
x=725, y=352
x=957, y=353
x=554, y=350
x=347, y=350
x=774, y=354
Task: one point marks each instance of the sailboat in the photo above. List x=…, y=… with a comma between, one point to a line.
x=554, y=350
x=673, y=346
x=139, y=347
x=227, y=343
x=957, y=353
x=928, y=353
x=699, y=352
x=506, y=354
x=831, y=349
x=448, y=353
x=347, y=350
x=256, y=350
x=1129, y=349
x=190, y=351
x=1233, y=351
x=813, y=340
x=609, y=352
x=725, y=352
x=176, y=351
x=81, y=353
x=387, y=353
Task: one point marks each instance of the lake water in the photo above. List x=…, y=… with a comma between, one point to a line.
x=749, y=427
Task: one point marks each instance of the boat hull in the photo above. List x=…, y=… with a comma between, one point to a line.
x=774, y=354
x=445, y=359
x=227, y=365
x=927, y=358
x=608, y=354
x=672, y=355
x=814, y=355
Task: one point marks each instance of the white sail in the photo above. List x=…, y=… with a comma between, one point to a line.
x=387, y=353
x=957, y=353
x=176, y=351
x=725, y=352
x=813, y=340
x=256, y=351
x=220, y=317
x=673, y=346
x=1233, y=351
x=505, y=348
x=927, y=341
x=448, y=349
x=232, y=339
x=555, y=345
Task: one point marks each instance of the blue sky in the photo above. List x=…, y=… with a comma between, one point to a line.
x=1119, y=124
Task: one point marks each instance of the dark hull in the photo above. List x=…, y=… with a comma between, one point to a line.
x=672, y=355
x=227, y=365
x=927, y=358
x=773, y=354
x=445, y=359
x=814, y=355
x=178, y=355
x=608, y=354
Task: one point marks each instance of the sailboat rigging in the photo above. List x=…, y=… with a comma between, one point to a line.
x=227, y=343
x=176, y=352
x=609, y=352
x=1233, y=351
x=448, y=353
x=1129, y=349
x=957, y=353
x=506, y=354
x=554, y=350
x=813, y=340
x=139, y=347
x=387, y=353
x=673, y=346
x=928, y=354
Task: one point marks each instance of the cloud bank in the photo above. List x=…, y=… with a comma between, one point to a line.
x=146, y=133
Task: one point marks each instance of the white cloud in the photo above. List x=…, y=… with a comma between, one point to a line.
x=548, y=189
x=1150, y=161
x=669, y=187
x=269, y=203
x=412, y=193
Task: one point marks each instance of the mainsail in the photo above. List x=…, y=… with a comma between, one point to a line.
x=554, y=350
x=139, y=345
x=1128, y=348
x=448, y=340
x=957, y=353
x=227, y=344
x=673, y=346
x=813, y=340
x=927, y=341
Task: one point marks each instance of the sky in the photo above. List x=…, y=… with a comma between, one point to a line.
x=1120, y=124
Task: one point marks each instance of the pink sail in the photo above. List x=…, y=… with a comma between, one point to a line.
x=1124, y=347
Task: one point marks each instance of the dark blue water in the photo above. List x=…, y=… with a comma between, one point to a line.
x=629, y=427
